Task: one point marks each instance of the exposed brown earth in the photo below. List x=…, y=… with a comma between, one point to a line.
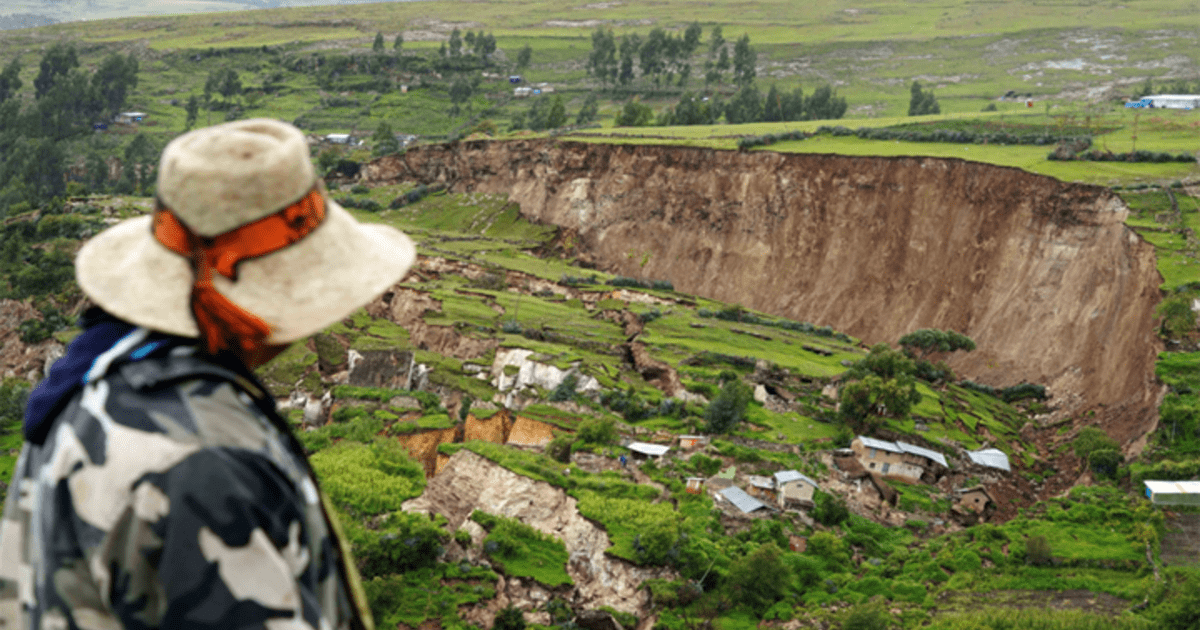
x=1043, y=274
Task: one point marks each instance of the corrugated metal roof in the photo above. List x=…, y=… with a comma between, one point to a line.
x=879, y=444
x=990, y=457
x=761, y=482
x=1173, y=492
x=742, y=500
x=654, y=450
x=787, y=476
x=923, y=452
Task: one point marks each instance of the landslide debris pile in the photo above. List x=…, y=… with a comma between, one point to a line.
x=1042, y=274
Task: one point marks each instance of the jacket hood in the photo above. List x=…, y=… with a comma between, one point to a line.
x=104, y=342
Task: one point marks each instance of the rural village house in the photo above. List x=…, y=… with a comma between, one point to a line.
x=793, y=488
x=897, y=459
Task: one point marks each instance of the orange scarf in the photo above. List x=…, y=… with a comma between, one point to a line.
x=221, y=322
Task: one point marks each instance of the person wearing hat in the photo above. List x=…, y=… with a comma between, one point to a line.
x=158, y=487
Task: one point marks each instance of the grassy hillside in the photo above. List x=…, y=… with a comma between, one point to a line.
x=488, y=289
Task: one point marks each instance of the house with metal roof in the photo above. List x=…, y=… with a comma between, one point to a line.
x=1173, y=492
x=741, y=500
x=897, y=459
x=794, y=488
x=990, y=458
x=646, y=449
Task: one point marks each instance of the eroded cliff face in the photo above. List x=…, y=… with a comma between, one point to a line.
x=469, y=482
x=1043, y=275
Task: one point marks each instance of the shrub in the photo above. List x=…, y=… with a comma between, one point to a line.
x=509, y=618
x=866, y=617
x=598, y=431
x=1037, y=550
x=729, y=407
x=760, y=577
x=830, y=510
x=1090, y=440
x=565, y=390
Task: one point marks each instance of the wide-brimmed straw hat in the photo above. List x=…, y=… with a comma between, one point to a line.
x=222, y=178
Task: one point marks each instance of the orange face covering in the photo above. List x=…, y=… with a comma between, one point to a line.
x=222, y=323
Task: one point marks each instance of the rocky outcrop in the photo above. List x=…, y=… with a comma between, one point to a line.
x=1042, y=274
x=513, y=371
x=469, y=482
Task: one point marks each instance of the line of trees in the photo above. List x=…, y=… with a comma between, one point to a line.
x=665, y=59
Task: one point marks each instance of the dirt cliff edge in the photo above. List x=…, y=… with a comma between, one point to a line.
x=1044, y=275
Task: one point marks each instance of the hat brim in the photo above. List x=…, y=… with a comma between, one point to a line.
x=298, y=290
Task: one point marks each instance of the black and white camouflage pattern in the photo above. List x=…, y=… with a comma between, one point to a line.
x=168, y=494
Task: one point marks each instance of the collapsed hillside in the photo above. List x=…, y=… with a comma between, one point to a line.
x=1042, y=274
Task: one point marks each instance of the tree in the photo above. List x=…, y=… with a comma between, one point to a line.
x=716, y=43
x=922, y=103
x=883, y=362
x=629, y=49
x=377, y=45
x=469, y=40
x=193, y=109
x=602, y=62
x=383, y=141
x=773, y=105
x=455, y=45
x=460, y=92
x=760, y=578
x=650, y=55
x=824, y=105
x=929, y=340
x=485, y=45
x=744, y=61
x=729, y=407
x=634, y=114
x=223, y=81
x=60, y=60
x=524, y=57
x=114, y=79
x=598, y=431
x=557, y=116
x=10, y=79
x=1176, y=315
x=589, y=111
x=141, y=156
x=691, y=39
x=398, y=43
x=866, y=401
x=745, y=107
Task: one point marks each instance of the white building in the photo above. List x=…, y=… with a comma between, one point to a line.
x=1173, y=492
x=1167, y=101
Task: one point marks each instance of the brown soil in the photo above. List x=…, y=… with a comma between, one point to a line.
x=1043, y=274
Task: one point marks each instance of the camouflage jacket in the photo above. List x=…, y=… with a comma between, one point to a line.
x=159, y=488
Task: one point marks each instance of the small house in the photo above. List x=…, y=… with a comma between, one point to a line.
x=646, y=450
x=129, y=118
x=741, y=500
x=342, y=138
x=695, y=485
x=793, y=488
x=692, y=441
x=975, y=499
x=522, y=92
x=1173, y=492
x=896, y=459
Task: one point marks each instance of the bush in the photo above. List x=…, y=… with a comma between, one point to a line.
x=1090, y=440
x=866, y=617
x=729, y=407
x=830, y=510
x=566, y=389
x=1037, y=551
x=509, y=618
x=598, y=431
